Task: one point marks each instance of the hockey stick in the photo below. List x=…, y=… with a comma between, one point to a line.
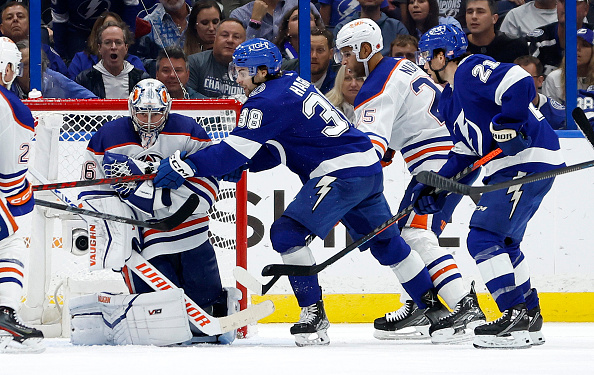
x=278, y=270
x=433, y=179
x=99, y=181
x=196, y=315
x=164, y=224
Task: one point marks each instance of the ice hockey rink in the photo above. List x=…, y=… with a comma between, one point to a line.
x=270, y=349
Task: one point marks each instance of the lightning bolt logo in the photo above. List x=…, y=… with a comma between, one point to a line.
x=324, y=189
x=92, y=8
x=516, y=192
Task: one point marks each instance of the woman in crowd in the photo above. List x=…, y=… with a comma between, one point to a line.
x=554, y=84
x=423, y=15
x=288, y=33
x=202, y=25
x=346, y=88
x=90, y=56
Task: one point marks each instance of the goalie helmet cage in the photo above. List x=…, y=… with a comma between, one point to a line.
x=55, y=269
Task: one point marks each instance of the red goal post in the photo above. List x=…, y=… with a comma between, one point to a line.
x=55, y=269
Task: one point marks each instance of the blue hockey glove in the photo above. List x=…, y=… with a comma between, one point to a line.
x=509, y=137
x=118, y=165
x=174, y=170
x=235, y=176
x=425, y=201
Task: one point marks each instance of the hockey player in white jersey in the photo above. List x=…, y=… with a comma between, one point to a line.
x=16, y=200
x=397, y=108
x=131, y=145
x=487, y=105
x=287, y=120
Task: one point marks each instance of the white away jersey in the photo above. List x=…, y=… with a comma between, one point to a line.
x=397, y=108
x=180, y=133
x=16, y=132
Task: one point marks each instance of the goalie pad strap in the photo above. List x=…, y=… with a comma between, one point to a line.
x=157, y=318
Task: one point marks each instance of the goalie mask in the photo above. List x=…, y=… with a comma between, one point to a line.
x=149, y=105
x=10, y=54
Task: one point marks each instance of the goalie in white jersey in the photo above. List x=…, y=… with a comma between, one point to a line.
x=127, y=146
x=397, y=108
x=16, y=200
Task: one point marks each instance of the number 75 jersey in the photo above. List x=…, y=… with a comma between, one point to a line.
x=288, y=121
x=397, y=108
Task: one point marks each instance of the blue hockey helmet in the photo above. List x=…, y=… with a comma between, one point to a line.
x=446, y=37
x=254, y=53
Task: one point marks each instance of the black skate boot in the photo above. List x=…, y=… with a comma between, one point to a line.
x=508, y=332
x=535, y=326
x=312, y=321
x=408, y=322
x=459, y=325
x=435, y=309
x=15, y=337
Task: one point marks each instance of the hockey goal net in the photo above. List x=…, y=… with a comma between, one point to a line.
x=56, y=269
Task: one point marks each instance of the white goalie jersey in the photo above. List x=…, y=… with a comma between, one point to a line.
x=147, y=202
x=397, y=108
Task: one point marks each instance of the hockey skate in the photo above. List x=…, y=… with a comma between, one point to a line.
x=508, y=332
x=409, y=322
x=15, y=337
x=312, y=322
x=535, y=326
x=459, y=325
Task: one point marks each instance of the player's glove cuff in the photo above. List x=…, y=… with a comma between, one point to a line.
x=509, y=137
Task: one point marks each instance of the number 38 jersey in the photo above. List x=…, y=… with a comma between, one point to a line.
x=288, y=121
x=397, y=108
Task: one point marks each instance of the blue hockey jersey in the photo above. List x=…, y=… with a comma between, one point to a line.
x=298, y=127
x=484, y=88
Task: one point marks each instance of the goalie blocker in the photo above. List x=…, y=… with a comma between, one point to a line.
x=157, y=318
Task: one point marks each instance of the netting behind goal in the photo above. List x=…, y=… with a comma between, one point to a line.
x=55, y=267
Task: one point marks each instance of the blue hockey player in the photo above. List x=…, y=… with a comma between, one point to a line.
x=287, y=120
x=486, y=105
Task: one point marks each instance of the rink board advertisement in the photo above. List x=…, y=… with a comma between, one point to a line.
x=558, y=242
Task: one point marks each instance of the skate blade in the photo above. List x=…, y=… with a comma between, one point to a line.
x=309, y=339
x=537, y=338
x=514, y=340
x=407, y=333
x=451, y=335
x=29, y=346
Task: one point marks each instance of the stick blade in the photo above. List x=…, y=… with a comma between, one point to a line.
x=287, y=270
x=250, y=315
x=246, y=279
x=583, y=124
x=440, y=182
x=179, y=216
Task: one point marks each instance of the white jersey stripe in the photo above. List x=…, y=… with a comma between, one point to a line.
x=357, y=159
x=512, y=76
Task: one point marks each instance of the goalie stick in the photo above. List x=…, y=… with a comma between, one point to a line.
x=196, y=315
x=165, y=224
x=433, y=179
x=278, y=270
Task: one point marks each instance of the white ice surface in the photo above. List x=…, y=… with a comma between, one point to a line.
x=270, y=349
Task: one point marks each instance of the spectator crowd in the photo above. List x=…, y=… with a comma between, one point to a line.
x=104, y=52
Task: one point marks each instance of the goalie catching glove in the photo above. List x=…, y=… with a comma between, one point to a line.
x=508, y=136
x=138, y=195
x=174, y=170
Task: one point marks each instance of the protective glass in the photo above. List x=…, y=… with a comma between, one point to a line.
x=423, y=57
x=339, y=55
x=236, y=72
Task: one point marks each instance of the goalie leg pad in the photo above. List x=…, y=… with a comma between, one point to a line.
x=157, y=318
x=110, y=242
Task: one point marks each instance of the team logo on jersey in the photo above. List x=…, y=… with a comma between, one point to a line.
x=535, y=33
